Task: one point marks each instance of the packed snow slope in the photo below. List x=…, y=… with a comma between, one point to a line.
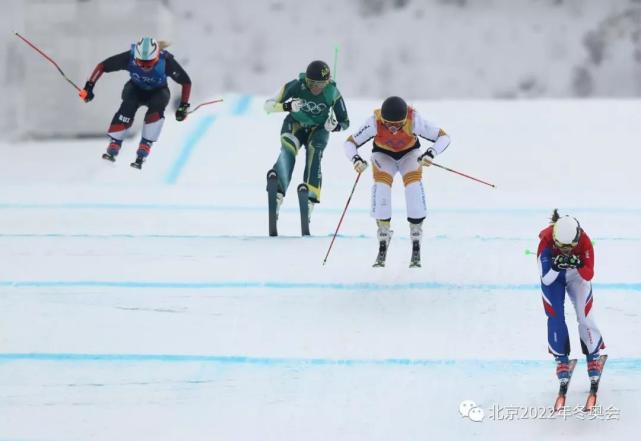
x=152, y=305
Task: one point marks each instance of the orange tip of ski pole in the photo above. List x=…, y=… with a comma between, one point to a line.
x=83, y=94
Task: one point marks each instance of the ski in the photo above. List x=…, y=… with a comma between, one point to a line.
x=563, y=387
x=415, y=261
x=594, y=387
x=303, y=203
x=138, y=163
x=382, y=255
x=272, y=204
x=108, y=157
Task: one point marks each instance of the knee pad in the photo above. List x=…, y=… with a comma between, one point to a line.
x=152, y=127
x=382, y=177
x=413, y=176
x=290, y=142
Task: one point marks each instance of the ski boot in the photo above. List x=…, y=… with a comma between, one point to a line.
x=138, y=162
x=416, y=234
x=143, y=151
x=562, y=368
x=594, y=367
x=384, y=235
x=112, y=150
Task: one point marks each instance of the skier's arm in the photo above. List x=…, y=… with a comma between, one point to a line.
x=279, y=103
x=431, y=132
x=587, y=258
x=174, y=70
x=366, y=132
x=548, y=275
x=340, y=111
x=111, y=64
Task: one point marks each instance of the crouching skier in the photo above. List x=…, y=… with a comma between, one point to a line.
x=395, y=129
x=149, y=65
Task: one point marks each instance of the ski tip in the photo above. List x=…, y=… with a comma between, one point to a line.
x=590, y=403
x=559, y=403
x=303, y=187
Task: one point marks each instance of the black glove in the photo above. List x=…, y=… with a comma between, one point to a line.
x=575, y=261
x=87, y=93
x=181, y=113
x=560, y=262
x=359, y=164
x=563, y=262
x=426, y=158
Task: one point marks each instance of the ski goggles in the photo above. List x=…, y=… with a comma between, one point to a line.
x=565, y=247
x=393, y=126
x=146, y=64
x=316, y=84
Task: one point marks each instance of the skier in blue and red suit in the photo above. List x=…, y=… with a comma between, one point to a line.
x=566, y=264
x=149, y=65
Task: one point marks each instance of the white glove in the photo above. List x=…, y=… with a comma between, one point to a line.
x=297, y=104
x=294, y=105
x=426, y=158
x=331, y=122
x=359, y=164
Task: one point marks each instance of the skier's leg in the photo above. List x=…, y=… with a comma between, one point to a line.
x=415, y=203
x=154, y=119
x=123, y=119
x=313, y=177
x=553, y=297
x=580, y=293
x=383, y=168
x=289, y=147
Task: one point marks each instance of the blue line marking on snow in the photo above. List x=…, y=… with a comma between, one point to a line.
x=621, y=363
x=190, y=144
x=356, y=286
x=242, y=105
x=261, y=208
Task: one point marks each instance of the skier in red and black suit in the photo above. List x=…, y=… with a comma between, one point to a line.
x=149, y=65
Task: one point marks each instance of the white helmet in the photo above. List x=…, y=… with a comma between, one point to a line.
x=147, y=49
x=566, y=232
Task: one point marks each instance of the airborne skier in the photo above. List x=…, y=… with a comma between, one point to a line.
x=395, y=128
x=315, y=108
x=149, y=65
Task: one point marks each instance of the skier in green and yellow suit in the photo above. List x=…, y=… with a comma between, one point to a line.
x=315, y=108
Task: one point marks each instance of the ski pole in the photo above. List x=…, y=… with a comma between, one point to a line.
x=342, y=216
x=50, y=60
x=206, y=103
x=463, y=174
x=336, y=49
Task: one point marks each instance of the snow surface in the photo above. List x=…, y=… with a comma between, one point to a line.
x=151, y=305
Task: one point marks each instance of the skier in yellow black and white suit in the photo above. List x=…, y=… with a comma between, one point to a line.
x=395, y=129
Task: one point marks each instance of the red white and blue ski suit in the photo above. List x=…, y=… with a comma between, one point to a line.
x=577, y=283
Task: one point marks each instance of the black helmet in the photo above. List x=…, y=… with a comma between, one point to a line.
x=394, y=109
x=317, y=71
